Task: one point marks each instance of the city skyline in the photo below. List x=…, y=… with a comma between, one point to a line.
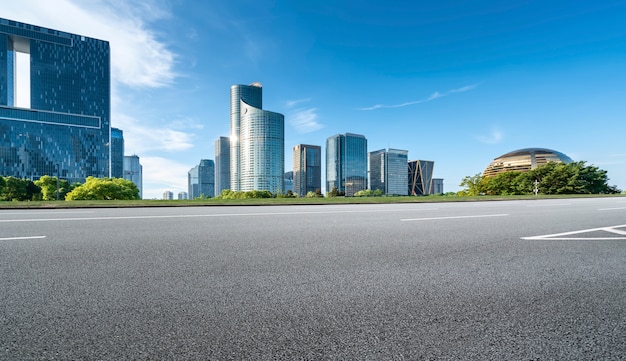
x=459, y=84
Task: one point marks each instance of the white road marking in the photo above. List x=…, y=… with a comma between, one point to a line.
x=21, y=238
x=564, y=236
x=453, y=217
x=611, y=209
x=548, y=205
x=44, y=212
x=204, y=215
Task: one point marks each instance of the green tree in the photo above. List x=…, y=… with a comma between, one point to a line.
x=48, y=187
x=104, y=189
x=474, y=185
x=15, y=189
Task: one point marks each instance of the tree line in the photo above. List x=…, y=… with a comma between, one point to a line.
x=49, y=188
x=551, y=178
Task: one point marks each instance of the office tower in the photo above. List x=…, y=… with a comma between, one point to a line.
x=437, y=186
x=307, y=169
x=168, y=196
x=117, y=153
x=201, y=180
x=388, y=171
x=257, y=142
x=133, y=171
x=63, y=128
x=420, y=177
x=346, y=163
x=288, y=182
x=222, y=165
x=182, y=196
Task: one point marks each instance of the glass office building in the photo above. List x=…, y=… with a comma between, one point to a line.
x=421, y=177
x=307, y=169
x=222, y=165
x=346, y=163
x=65, y=127
x=201, y=180
x=117, y=153
x=257, y=142
x=133, y=171
x=388, y=171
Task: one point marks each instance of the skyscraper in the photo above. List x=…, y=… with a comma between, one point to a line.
x=201, y=179
x=388, y=171
x=117, y=153
x=133, y=172
x=64, y=127
x=257, y=142
x=307, y=169
x=421, y=177
x=346, y=163
x=222, y=165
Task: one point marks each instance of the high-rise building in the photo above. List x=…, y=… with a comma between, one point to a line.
x=64, y=126
x=182, y=196
x=388, y=171
x=307, y=169
x=257, y=142
x=420, y=177
x=201, y=180
x=168, y=196
x=288, y=182
x=437, y=185
x=222, y=165
x=133, y=171
x=117, y=153
x=346, y=163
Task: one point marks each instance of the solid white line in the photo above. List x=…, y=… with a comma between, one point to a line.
x=559, y=236
x=575, y=239
x=454, y=217
x=549, y=205
x=611, y=209
x=21, y=238
x=200, y=215
x=44, y=212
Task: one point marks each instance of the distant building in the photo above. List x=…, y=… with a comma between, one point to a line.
x=64, y=127
x=117, y=153
x=182, y=196
x=222, y=165
x=438, y=186
x=307, y=169
x=133, y=171
x=420, y=177
x=257, y=142
x=168, y=196
x=288, y=181
x=523, y=160
x=388, y=171
x=346, y=163
x=201, y=180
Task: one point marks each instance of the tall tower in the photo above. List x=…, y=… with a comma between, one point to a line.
x=421, y=177
x=133, y=171
x=64, y=127
x=257, y=142
x=307, y=168
x=222, y=165
x=388, y=171
x=346, y=163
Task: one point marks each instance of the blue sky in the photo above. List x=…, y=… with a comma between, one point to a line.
x=459, y=83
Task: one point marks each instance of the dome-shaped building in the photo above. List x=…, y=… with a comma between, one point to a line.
x=523, y=160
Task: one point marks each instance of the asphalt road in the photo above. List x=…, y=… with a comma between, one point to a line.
x=483, y=280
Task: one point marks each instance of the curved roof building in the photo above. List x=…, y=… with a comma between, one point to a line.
x=523, y=160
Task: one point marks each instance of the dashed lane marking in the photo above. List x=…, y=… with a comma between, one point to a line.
x=21, y=238
x=453, y=217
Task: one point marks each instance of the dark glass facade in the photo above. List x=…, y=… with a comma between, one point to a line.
x=66, y=131
x=133, y=171
x=346, y=163
x=117, y=153
x=388, y=171
x=420, y=177
x=307, y=168
x=201, y=180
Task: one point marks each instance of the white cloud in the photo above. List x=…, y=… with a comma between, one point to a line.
x=142, y=139
x=492, y=138
x=173, y=175
x=138, y=58
x=305, y=120
x=432, y=97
